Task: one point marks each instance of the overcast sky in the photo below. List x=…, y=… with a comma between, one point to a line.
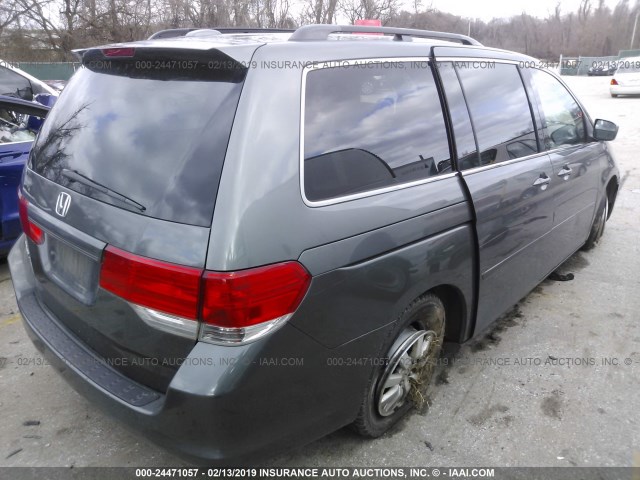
x=488, y=9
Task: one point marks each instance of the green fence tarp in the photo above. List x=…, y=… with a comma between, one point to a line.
x=629, y=53
x=48, y=70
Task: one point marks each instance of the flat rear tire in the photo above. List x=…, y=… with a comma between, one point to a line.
x=403, y=379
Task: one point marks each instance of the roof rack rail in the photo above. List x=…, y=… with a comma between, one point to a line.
x=181, y=32
x=171, y=33
x=255, y=30
x=203, y=32
x=310, y=33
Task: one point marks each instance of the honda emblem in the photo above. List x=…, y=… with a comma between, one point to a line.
x=63, y=203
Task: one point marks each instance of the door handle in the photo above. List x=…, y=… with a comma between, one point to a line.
x=542, y=181
x=565, y=171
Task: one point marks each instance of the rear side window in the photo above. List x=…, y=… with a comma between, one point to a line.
x=562, y=117
x=371, y=126
x=499, y=110
x=147, y=133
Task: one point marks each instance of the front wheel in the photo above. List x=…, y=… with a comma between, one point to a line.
x=402, y=381
x=597, y=229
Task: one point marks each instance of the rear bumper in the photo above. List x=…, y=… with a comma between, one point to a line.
x=624, y=89
x=226, y=404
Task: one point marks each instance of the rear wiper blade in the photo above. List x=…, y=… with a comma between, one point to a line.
x=78, y=177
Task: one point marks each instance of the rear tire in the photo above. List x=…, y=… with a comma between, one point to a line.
x=402, y=381
x=614, y=95
x=597, y=229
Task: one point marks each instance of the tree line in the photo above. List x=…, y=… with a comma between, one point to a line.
x=47, y=30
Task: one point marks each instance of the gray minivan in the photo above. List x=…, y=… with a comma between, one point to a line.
x=240, y=242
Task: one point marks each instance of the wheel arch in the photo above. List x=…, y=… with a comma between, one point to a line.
x=612, y=192
x=455, y=306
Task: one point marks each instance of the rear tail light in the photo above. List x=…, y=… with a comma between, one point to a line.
x=239, y=306
x=614, y=81
x=118, y=52
x=29, y=228
x=161, y=286
x=232, y=307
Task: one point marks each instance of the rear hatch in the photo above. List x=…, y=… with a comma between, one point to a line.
x=120, y=185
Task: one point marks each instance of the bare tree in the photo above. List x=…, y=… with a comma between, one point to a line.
x=584, y=10
x=9, y=13
x=58, y=31
x=383, y=10
x=318, y=11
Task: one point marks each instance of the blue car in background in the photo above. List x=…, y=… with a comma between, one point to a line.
x=20, y=120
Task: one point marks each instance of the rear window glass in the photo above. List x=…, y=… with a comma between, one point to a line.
x=143, y=134
x=371, y=125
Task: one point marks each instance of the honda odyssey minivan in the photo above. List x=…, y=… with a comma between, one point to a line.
x=240, y=242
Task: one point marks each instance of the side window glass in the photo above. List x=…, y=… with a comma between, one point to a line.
x=370, y=126
x=499, y=109
x=462, y=130
x=14, y=85
x=562, y=117
x=16, y=126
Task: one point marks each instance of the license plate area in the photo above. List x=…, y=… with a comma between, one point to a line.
x=72, y=269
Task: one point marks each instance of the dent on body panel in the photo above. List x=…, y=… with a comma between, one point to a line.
x=360, y=247
x=506, y=205
x=578, y=188
x=371, y=294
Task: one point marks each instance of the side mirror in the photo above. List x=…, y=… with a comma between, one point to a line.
x=25, y=93
x=604, y=130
